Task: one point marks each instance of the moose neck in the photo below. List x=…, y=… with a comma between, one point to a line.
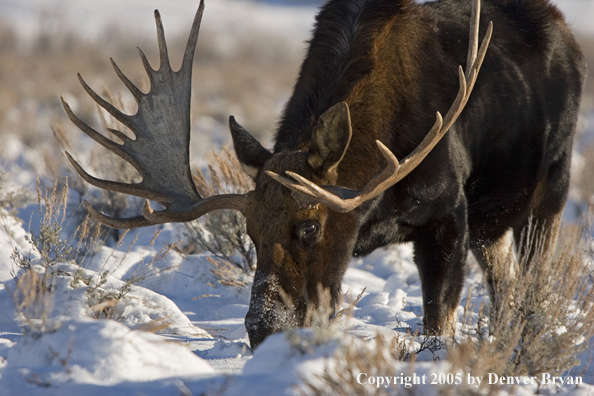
x=360, y=55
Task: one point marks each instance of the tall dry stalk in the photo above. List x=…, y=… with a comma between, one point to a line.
x=223, y=233
x=32, y=294
x=545, y=317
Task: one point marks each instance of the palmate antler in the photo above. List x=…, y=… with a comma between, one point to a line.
x=342, y=199
x=160, y=151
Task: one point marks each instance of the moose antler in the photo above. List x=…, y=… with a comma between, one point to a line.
x=160, y=151
x=343, y=199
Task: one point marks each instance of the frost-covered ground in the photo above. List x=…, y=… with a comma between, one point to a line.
x=178, y=330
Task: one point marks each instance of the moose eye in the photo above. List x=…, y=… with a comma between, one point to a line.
x=308, y=231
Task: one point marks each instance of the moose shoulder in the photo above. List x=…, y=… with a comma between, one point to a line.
x=375, y=74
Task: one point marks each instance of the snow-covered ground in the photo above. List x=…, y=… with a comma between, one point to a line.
x=178, y=330
x=203, y=345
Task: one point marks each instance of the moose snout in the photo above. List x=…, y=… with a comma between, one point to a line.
x=268, y=313
x=264, y=319
x=259, y=326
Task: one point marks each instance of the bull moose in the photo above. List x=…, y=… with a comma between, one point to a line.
x=374, y=77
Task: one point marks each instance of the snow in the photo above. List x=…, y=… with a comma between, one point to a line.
x=80, y=354
x=102, y=352
x=177, y=330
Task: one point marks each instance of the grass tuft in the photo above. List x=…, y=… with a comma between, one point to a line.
x=223, y=233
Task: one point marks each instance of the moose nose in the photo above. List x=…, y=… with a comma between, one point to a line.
x=261, y=319
x=267, y=313
x=258, y=328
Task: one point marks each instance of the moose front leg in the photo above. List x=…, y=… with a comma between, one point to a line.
x=440, y=254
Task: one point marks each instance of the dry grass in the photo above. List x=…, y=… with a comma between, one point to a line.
x=546, y=317
x=34, y=302
x=377, y=357
x=36, y=274
x=34, y=77
x=107, y=303
x=229, y=274
x=32, y=294
x=223, y=232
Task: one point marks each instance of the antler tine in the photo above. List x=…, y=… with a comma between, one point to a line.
x=192, y=40
x=119, y=134
x=478, y=62
x=132, y=189
x=133, y=222
x=336, y=203
x=475, y=13
x=163, y=54
x=93, y=134
x=343, y=200
x=137, y=93
x=111, y=109
x=290, y=183
x=160, y=152
x=147, y=67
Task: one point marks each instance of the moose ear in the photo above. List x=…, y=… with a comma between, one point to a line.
x=330, y=139
x=249, y=151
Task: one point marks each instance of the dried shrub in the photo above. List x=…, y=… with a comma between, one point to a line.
x=34, y=302
x=36, y=276
x=377, y=357
x=105, y=302
x=223, y=232
x=553, y=296
x=48, y=244
x=546, y=315
x=35, y=273
x=32, y=294
x=229, y=274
